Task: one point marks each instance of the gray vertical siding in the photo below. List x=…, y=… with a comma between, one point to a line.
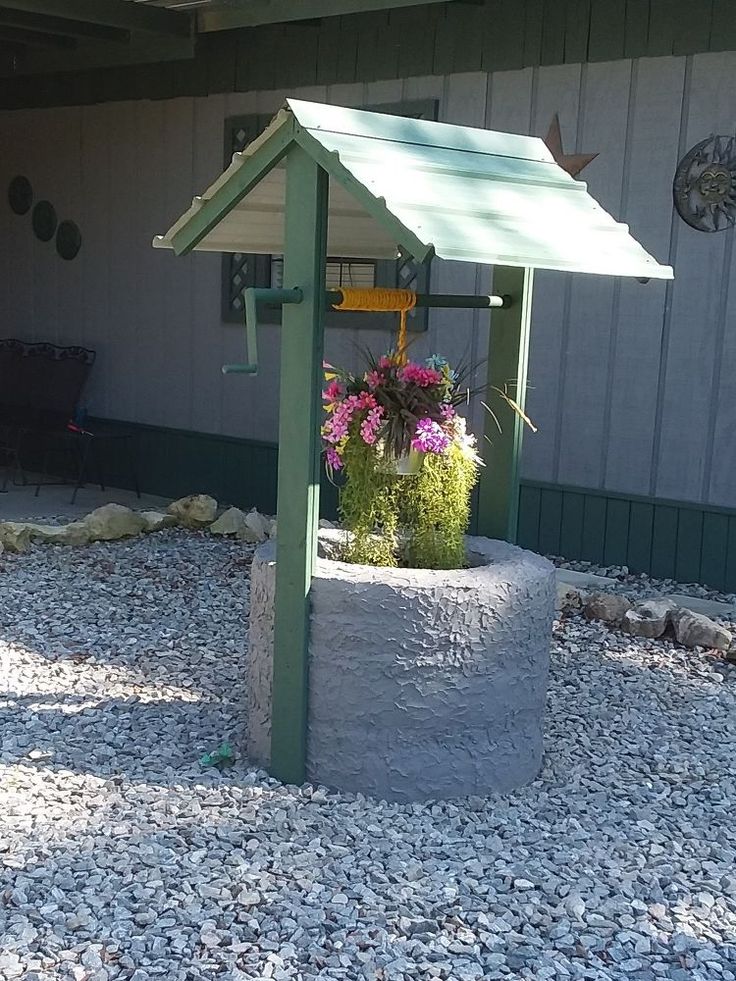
x=633, y=387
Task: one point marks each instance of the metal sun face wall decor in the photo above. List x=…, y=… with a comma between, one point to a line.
x=704, y=188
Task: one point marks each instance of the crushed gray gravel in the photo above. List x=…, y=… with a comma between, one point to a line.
x=639, y=584
x=121, y=857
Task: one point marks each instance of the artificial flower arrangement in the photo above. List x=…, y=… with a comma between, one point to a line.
x=409, y=465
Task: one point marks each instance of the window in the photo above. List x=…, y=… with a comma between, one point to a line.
x=240, y=270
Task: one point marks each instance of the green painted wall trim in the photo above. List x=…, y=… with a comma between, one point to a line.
x=434, y=39
x=667, y=539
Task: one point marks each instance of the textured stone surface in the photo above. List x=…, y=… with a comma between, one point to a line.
x=74, y=533
x=609, y=607
x=156, y=520
x=14, y=536
x=230, y=522
x=113, y=521
x=422, y=683
x=698, y=630
x=194, y=510
x=649, y=618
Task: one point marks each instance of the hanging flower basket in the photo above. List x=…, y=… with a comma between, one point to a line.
x=409, y=464
x=398, y=419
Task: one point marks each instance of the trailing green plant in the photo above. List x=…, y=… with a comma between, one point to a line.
x=434, y=510
x=368, y=506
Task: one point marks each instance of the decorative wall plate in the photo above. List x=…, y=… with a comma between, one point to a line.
x=68, y=239
x=20, y=195
x=704, y=188
x=44, y=220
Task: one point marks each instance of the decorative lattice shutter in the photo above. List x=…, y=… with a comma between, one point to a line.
x=240, y=270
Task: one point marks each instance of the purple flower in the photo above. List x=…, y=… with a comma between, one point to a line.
x=430, y=437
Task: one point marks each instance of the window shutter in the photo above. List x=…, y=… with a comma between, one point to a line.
x=240, y=270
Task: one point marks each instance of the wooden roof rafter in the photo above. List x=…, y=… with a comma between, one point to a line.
x=120, y=14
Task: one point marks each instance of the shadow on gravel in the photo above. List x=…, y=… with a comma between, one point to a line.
x=143, y=741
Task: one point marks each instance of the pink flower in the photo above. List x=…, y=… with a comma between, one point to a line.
x=334, y=460
x=373, y=379
x=418, y=374
x=333, y=392
x=384, y=363
x=430, y=437
x=447, y=411
x=371, y=424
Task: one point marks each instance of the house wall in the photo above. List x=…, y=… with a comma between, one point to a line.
x=632, y=386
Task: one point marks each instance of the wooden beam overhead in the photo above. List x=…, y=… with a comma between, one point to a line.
x=61, y=26
x=111, y=13
x=36, y=39
x=232, y=14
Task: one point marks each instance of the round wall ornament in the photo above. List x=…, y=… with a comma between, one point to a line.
x=20, y=194
x=43, y=219
x=68, y=239
x=704, y=188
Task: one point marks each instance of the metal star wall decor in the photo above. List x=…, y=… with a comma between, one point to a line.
x=573, y=163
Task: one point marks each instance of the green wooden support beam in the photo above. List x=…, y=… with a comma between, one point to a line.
x=300, y=411
x=227, y=197
x=508, y=358
x=111, y=13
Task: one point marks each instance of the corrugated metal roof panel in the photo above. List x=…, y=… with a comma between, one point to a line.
x=468, y=194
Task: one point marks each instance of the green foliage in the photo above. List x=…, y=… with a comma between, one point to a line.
x=435, y=510
x=368, y=506
x=413, y=521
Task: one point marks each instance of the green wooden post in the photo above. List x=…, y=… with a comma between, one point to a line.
x=508, y=356
x=299, y=458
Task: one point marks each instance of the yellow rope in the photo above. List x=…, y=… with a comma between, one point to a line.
x=377, y=299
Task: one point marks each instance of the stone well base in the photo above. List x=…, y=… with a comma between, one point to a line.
x=423, y=684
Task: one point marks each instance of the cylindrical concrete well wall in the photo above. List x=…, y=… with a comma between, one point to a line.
x=422, y=684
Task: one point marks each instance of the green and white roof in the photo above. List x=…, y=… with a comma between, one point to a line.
x=428, y=188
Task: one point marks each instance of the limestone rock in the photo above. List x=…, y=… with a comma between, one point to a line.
x=14, y=536
x=194, y=511
x=247, y=535
x=258, y=524
x=230, y=522
x=326, y=523
x=113, y=521
x=649, y=618
x=698, y=630
x=74, y=533
x=609, y=607
x=272, y=528
x=156, y=521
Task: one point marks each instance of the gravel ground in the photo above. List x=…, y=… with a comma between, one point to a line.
x=639, y=584
x=120, y=857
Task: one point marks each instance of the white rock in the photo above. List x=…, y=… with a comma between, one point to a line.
x=230, y=522
x=258, y=524
x=75, y=533
x=698, y=630
x=14, y=536
x=648, y=618
x=156, y=520
x=194, y=511
x=113, y=521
